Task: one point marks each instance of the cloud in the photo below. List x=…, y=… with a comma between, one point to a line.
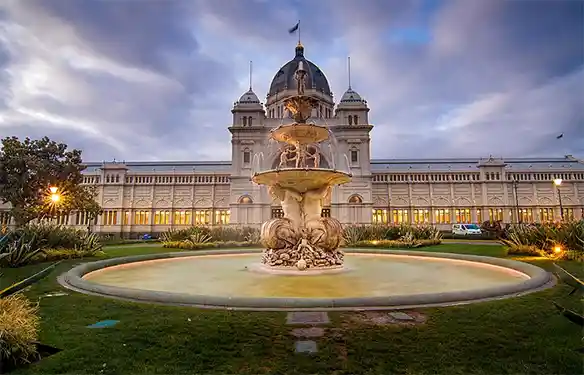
x=156, y=81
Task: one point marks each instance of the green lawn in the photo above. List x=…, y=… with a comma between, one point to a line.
x=523, y=335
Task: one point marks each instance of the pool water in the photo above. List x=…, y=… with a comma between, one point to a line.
x=366, y=275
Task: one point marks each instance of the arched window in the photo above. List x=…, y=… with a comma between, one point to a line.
x=354, y=156
x=356, y=120
x=245, y=199
x=246, y=156
x=244, y=121
x=350, y=120
x=117, y=178
x=355, y=199
x=249, y=121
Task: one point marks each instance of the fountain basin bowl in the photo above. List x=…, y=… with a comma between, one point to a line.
x=373, y=279
x=301, y=179
x=301, y=133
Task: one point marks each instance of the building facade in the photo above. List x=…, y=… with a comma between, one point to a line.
x=151, y=197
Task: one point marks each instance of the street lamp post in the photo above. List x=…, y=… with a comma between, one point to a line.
x=558, y=182
x=515, y=183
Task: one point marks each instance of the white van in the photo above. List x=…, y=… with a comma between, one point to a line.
x=466, y=229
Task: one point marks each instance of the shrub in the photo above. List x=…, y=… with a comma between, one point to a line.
x=199, y=234
x=397, y=244
x=358, y=233
x=187, y=245
x=543, y=238
x=19, y=325
x=30, y=242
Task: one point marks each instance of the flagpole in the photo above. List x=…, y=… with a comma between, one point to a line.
x=299, y=32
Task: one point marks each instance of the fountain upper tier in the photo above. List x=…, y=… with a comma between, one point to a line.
x=300, y=133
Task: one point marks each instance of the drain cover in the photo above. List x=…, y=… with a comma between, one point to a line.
x=305, y=347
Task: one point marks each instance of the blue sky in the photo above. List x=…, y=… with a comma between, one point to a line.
x=155, y=80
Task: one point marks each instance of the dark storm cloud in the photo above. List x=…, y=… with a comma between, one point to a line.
x=156, y=79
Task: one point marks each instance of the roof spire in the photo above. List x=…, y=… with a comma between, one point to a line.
x=349, y=70
x=250, y=74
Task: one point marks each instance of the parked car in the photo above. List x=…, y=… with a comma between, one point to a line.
x=466, y=229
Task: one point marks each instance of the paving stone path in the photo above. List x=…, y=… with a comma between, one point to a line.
x=311, y=319
x=307, y=318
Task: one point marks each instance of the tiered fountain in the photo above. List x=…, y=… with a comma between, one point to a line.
x=302, y=239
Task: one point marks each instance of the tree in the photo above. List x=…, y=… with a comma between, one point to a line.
x=29, y=168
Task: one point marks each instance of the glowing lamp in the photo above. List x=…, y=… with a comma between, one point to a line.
x=55, y=198
x=557, y=181
x=557, y=249
x=375, y=242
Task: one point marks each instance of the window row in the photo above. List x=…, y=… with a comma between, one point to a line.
x=490, y=176
x=184, y=179
x=544, y=176
x=464, y=215
x=280, y=112
x=163, y=217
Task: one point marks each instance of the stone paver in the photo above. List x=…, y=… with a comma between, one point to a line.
x=308, y=332
x=305, y=347
x=307, y=318
x=398, y=315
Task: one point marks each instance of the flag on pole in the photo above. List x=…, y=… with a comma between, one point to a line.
x=560, y=136
x=293, y=29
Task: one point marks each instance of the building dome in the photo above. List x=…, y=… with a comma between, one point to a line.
x=249, y=98
x=284, y=79
x=351, y=96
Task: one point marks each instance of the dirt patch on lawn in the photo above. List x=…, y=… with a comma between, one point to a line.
x=383, y=318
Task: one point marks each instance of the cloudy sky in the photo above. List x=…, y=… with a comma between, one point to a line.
x=156, y=79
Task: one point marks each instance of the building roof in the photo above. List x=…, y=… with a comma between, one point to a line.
x=471, y=164
x=377, y=165
x=284, y=78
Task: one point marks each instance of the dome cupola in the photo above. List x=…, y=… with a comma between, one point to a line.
x=284, y=78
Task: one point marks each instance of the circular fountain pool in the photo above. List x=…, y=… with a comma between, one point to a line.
x=372, y=279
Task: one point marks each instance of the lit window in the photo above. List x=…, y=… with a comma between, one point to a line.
x=355, y=199
x=162, y=218
x=142, y=217
x=495, y=214
x=379, y=216
x=568, y=214
x=442, y=216
x=222, y=217
x=126, y=217
x=246, y=199
x=4, y=217
x=479, y=215
x=277, y=213
x=525, y=215
x=182, y=217
x=421, y=216
x=463, y=215
x=400, y=216
x=203, y=217
x=109, y=218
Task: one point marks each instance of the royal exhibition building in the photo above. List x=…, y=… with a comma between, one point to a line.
x=151, y=197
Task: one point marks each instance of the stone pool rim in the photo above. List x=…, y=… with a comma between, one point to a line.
x=538, y=279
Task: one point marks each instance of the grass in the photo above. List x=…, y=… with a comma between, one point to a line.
x=523, y=335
